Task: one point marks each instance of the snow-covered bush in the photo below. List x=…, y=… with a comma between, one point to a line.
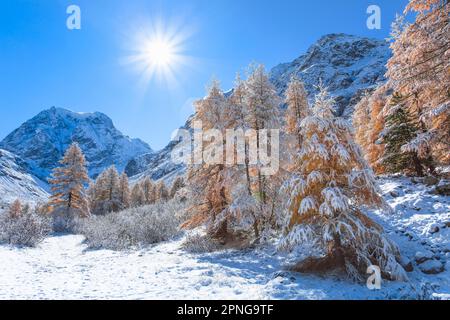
x=132, y=227
x=62, y=220
x=28, y=229
x=200, y=243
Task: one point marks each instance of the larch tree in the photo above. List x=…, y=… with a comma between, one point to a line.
x=150, y=191
x=375, y=147
x=205, y=180
x=162, y=193
x=332, y=185
x=68, y=184
x=177, y=185
x=137, y=196
x=361, y=120
x=15, y=210
x=107, y=192
x=124, y=191
x=419, y=71
x=237, y=119
x=369, y=123
x=262, y=112
x=297, y=107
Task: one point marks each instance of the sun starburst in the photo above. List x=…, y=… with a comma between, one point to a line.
x=158, y=52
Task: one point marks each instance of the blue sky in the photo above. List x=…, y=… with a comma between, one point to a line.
x=43, y=64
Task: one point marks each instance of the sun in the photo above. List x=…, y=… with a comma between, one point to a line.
x=160, y=52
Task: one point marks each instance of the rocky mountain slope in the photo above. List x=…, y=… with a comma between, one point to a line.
x=346, y=64
x=42, y=141
x=16, y=182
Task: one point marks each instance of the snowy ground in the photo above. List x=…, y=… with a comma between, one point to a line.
x=62, y=268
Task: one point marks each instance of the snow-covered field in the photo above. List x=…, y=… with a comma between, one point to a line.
x=62, y=268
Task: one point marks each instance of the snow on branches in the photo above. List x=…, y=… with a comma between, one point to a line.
x=331, y=187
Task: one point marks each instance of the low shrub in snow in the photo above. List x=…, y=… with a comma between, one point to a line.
x=64, y=219
x=132, y=227
x=200, y=243
x=28, y=229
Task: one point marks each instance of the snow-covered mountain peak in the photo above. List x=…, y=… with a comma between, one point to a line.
x=346, y=64
x=42, y=141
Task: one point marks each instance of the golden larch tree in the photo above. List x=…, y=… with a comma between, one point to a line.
x=68, y=183
x=331, y=187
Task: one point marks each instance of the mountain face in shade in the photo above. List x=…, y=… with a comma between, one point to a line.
x=348, y=65
x=16, y=182
x=42, y=141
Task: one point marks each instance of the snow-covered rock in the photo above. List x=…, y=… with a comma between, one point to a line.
x=442, y=189
x=421, y=257
x=432, y=267
x=42, y=141
x=16, y=182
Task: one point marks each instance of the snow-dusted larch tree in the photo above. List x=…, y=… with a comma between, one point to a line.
x=68, y=184
x=150, y=191
x=262, y=112
x=137, y=196
x=419, y=71
x=124, y=191
x=107, y=192
x=332, y=185
x=176, y=186
x=15, y=209
x=206, y=180
x=297, y=107
x=162, y=193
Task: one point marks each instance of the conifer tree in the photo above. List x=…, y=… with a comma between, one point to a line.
x=149, y=189
x=331, y=186
x=15, y=210
x=238, y=119
x=369, y=123
x=400, y=130
x=418, y=70
x=68, y=183
x=375, y=147
x=297, y=107
x=262, y=112
x=361, y=120
x=176, y=186
x=107, y=194
x=124, y=193
x=137, y=196
x=162, y=193
x=206, y=180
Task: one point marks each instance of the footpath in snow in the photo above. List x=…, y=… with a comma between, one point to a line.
x=62, y=268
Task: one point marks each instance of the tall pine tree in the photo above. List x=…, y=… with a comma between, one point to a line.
x=400, y=130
